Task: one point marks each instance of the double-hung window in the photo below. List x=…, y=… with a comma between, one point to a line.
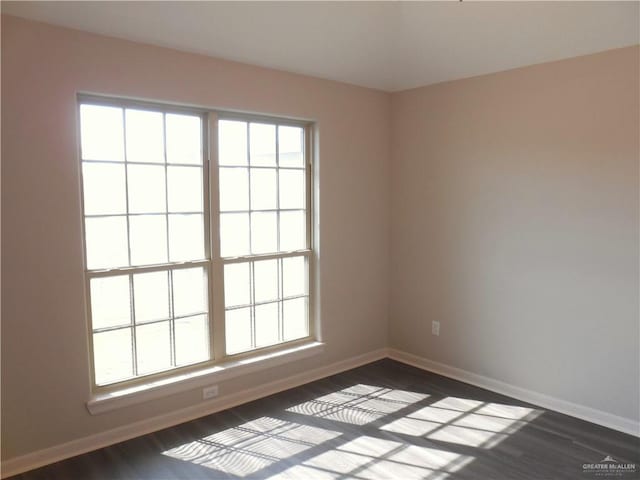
x=197, y=230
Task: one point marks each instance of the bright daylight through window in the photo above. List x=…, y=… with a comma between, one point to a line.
x=175, y=231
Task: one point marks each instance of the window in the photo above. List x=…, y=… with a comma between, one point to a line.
x=193, y=254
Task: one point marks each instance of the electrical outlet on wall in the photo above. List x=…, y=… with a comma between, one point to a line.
x=209, y=392
x=435, y=328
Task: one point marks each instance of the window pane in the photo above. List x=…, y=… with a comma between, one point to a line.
x=232, y=142
x=236, y=284
x=189, y=291
x=292, y=189
x=104, y=188
x=186, y=240
x=185, y=189
x=264, y=234
x=192, y=340
x=184, y=139
x=102, y=133
x=294, y=317
x=234, y=189
x=146, y=189
x=112, y=353
x=110, y=301
x=153, y=347
x=292, y=231
x=291, y=146
x=238, y=330
x=145, y=139
x=234, y=234
x=148, y=237
x=265, y=280
x=263, y=189
x=263, y=144
x=106, y=240
x=151, y=294
x=294, y=277
x=267, y=330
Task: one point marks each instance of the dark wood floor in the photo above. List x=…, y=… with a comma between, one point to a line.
x=385, y=420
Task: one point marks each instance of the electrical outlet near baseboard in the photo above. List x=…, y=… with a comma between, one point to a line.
x=209, y=392
x=435, y=328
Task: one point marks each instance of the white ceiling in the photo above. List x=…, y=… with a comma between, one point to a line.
x=386, y=45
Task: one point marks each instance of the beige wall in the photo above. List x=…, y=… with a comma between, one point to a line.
x=45, y=377
x=514, y=221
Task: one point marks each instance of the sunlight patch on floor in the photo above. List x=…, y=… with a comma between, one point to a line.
x=371, y=458
x=252, y=446
x=263, y=443
x=464, y=421
x=358, y=405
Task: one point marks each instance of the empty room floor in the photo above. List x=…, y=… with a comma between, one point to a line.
x=385, y=420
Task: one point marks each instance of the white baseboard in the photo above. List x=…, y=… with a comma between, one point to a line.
x=582, y=412
x=79, y=446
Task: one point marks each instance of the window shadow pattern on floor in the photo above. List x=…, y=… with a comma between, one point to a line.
x=361, y=431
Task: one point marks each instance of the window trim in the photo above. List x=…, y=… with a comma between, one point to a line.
x=213, y=262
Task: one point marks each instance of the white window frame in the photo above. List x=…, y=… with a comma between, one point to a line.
x=218, y=262
x=213, y=263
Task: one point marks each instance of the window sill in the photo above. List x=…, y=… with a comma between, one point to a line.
x=106, y=402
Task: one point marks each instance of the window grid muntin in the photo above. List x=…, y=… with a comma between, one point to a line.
x=277, y=129
x=134, y=346
x=248, y=121
x=126, y=184
x=279, y=300
x=166, y=218
x=252, y=310
x=248, y=128
x=306, y=252
x=168, y=212
x=214, y=263
x=150, y=214
x=133, y=323
x=257, y=210
x=172, y=321
x=169, y=266
x=278, y=254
